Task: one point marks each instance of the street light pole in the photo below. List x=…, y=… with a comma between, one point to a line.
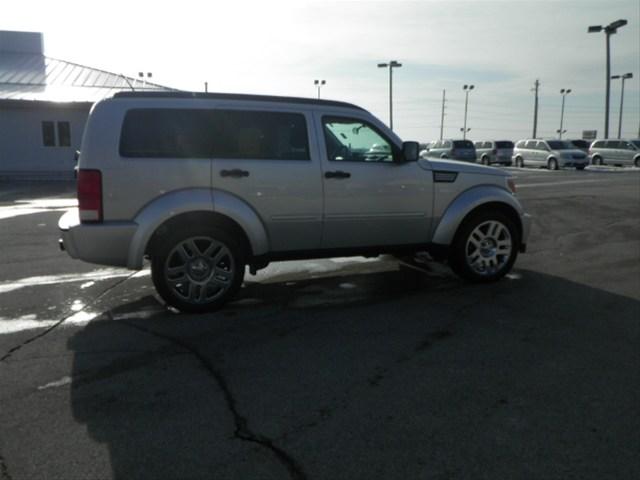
x=319, y=84
x=564, y=93
x=391, y=65
x=623, y=77
x=467, y=89
x=609, y=30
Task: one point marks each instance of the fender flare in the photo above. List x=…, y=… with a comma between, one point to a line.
x=465, y=203
x=168, y=206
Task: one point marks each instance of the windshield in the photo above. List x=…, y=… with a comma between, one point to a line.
x=505, y=144
x=462, y=144
x=559, y=145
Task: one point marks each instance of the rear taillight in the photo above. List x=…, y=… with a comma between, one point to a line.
x=90, y=195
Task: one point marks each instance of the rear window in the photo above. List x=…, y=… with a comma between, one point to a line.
x=200, y=133
x=598, y=144
x=504, y=144
x=462, y=144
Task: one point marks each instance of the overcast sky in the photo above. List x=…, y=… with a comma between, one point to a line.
x=279, y=48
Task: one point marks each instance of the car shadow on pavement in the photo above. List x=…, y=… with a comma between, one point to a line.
x=386, y=375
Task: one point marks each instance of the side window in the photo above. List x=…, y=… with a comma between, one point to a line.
x=166, y=133
x=531, y=144
x=478, y=144
x=261, y=135
x=48, y=134
x=542, y=146
x=613, y=144
x=447, y=144
x=598, y=144
x=64, y=134
x=354, y=140
x=207, y=133
x=520, y=144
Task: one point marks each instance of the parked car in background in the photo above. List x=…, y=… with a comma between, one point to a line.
x=462, y=150
x=580, y=144
x=615, y=152
x=494, y=151
x=552, y=154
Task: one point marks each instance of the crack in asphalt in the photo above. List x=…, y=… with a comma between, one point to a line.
x=29, y=340
x=242, y=430
x=4, y=470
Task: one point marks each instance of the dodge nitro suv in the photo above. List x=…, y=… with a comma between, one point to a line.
x=204, y=185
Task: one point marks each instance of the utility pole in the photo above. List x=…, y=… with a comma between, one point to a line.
x=535, y=109
x=442, y=116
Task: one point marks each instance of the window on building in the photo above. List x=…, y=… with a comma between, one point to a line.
x=64, y=134
x=48, y=134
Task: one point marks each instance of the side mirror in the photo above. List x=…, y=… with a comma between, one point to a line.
x=410, y=151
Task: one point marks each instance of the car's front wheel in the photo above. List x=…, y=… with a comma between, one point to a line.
x=485, y=247
x=519, y=162
x=552, y=164
x=198, y=270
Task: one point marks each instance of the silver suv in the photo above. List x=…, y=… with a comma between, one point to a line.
x=495, y=151
x=616, y=152
x=552, y=154
x=205, y=184
x=462, y=150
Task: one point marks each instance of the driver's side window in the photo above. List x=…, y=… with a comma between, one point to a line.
x=354, y=140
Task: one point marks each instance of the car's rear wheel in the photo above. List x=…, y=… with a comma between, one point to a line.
x=485, y=160
x=636, y=162
x=485, y=247
x=198, y=270
x=552, y=164
x=596, y=160
x=519, y=162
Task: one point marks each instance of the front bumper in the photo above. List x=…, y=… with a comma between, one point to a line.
x=526, y=220
x=101, y=243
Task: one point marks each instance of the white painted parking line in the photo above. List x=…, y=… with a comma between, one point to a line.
x=551, y=184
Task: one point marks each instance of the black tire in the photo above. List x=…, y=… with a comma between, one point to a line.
x=464, y=253
x=636, y=162
x=519, y=162
x=198, y=269
x=485, y=161
x=552, y=164
x=580, y=167
x=596, y=160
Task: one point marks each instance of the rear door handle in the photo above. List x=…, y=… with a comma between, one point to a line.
x=337, y=174
x=235, y=173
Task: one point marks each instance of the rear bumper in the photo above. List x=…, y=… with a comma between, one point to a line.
x=101, y=243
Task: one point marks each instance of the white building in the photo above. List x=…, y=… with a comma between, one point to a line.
x=44, y=104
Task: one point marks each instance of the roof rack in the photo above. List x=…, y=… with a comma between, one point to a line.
x=235, y=96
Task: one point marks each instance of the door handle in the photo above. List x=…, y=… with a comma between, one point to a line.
x=337, y=174
x=235, y=173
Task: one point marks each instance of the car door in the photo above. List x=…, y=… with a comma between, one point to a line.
x=541, y=153
x=265, y=159
x=369, y=199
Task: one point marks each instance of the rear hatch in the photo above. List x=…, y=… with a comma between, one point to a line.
x=463, y=150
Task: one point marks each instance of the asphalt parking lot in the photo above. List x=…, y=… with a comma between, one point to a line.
x=332, y=369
